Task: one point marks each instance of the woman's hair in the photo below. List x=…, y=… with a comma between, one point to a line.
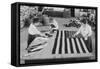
x=84, y=20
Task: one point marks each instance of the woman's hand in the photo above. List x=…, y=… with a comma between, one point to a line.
x=74, y=35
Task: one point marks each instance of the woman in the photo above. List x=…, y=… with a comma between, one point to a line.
x=53, y=24
x=33, y=33
x=86, y=31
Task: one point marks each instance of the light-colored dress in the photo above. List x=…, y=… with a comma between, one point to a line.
x=34, y=31
x=86, y=31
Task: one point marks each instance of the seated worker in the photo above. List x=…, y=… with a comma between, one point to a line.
x=33, y=32
x=86, y=31
x=53, y=27
x=53, y=24
x=44, y=20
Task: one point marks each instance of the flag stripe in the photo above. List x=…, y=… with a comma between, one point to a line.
x=71, y=47
x=66, y=51
x=73, y=44
x=76, y=46
x=63, y=44
x=80, y=49
x=55, y=43
x=60, y=45
x=82, y=46
x=68, y=46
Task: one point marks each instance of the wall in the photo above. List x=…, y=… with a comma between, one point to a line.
x=77, y=12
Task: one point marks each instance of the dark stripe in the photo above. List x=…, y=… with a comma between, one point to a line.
x=60, y=45
x=82, y=46
x=67, y=34
x=70, y=34
x=71, y=47
x=55, y=43
x=88, y=44
x=66, y=51
x=76, y=45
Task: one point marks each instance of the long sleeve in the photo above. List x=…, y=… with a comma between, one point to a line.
x=90, y=31
x=33, y=30
x=78, y=31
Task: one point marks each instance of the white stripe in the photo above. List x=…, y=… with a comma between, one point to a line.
x=80, y=49
x=58, y=42
x=73, y=44
x=84, y=45
x=68, y=46
x=63, y=44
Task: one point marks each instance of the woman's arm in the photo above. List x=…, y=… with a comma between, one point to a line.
x=78, y=31
x=90, y=31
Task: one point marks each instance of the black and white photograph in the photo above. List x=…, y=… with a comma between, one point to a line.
x=56, y=32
